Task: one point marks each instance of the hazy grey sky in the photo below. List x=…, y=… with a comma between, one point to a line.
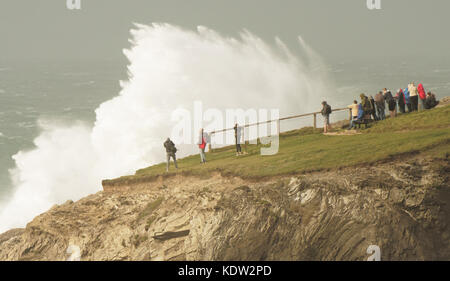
x=45, y=29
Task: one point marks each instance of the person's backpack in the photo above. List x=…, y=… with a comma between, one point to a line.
x=171, y=147
x=328, y=109
x=388, y=97
x=392, y=103
x=367, y=106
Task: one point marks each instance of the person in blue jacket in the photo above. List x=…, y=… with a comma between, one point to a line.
x=360, y=112
x=408, y=102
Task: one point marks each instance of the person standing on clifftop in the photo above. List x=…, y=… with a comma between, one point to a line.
x=171, y=150
x=379, y=101
x=392, y=105
x=414, y=97
x=407, y=99
x=367, y=106
x=374, y=112
x=401, y=100
x=422, y=95
x=202, y=140
x=355, y=112
x=326, y=111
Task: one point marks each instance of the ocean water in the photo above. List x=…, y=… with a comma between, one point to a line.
x=71, y=124
x=58, y=91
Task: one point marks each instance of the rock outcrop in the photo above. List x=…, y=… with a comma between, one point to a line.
x=402, y=207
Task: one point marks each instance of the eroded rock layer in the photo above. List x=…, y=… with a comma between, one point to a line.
x=402, y=207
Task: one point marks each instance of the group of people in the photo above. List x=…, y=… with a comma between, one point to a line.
x=406, y=99
x=374, y=108
x=203, y=140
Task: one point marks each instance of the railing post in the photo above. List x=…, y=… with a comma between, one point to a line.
x=315, y=121
x=278, y=127
x=243, y=136
x=209, y=144
x=351, y=117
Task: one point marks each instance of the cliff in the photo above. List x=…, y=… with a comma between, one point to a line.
x=401, y=205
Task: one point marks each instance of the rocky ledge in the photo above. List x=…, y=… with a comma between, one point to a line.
x=402, y=207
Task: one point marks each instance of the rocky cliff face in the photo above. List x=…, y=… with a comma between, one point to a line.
x=402, y=207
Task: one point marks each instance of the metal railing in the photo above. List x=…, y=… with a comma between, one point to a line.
x=278, y=121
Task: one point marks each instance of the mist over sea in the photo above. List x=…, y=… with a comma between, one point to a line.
x=67, y=93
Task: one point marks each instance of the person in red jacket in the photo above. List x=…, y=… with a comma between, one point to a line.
x=202, y=140
x=422, y=95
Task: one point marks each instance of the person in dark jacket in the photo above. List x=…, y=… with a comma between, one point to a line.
x=430, y=101
x=367, y=106
x=171, y=150
x=401, y=100
x=326, y=111
x=392, y=106
x=374, y=112
x=379, y=102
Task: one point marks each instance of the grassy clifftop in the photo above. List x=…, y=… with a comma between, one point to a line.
x=307, y=150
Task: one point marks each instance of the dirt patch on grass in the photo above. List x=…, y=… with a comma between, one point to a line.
x=344, y=133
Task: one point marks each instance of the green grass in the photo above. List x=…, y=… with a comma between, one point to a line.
x=308, y=150
x=423, y=120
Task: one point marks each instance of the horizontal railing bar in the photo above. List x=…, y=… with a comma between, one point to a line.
x=276, y=120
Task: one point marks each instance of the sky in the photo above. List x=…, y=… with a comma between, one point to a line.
x=338, y=30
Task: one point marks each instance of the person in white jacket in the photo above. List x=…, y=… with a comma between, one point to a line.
x=202, y=141
x=413, y=97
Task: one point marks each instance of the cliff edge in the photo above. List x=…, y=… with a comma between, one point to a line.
x=402, y=207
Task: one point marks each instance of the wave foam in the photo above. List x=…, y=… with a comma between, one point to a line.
x=169, y=68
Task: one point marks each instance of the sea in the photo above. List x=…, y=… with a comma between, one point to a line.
x=42, y=90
